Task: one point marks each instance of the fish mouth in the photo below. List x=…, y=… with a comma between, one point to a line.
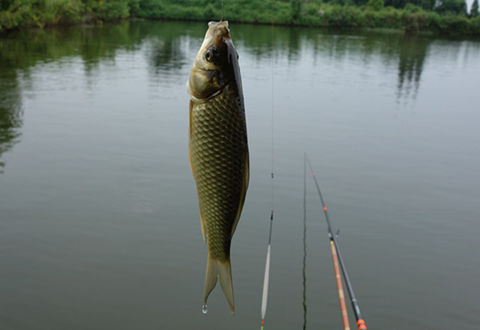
x=218, y=24
x=218, y=29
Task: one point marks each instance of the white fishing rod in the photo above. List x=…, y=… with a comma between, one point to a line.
x=267, y=273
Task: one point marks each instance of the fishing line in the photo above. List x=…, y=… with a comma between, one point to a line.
x=221, y=19
x=304, y=273
x=336, y=251
x=272, y=176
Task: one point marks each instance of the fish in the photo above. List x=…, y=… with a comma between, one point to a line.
x=218, y=150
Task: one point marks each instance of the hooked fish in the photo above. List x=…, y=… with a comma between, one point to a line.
x=218, y=150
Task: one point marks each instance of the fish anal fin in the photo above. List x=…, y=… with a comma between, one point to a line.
x=246, y=178
x=204, y=233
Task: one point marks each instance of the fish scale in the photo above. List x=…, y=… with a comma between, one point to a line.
x=218, y=147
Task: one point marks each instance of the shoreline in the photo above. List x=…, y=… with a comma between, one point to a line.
x=376, y=30
x=326, y=17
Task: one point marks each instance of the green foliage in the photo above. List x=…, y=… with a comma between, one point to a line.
x=41, y=12
x=342, y=17
x=4, y=4
x=453, y=24
x=425, y=4
x=112, y=9
x=134, y=7
x=452, y=7
x=475, y=25
x=412, y=16
x=69, y=11
x=410, y=7
x=395, y=3
x=474, y=9
x=375, y=4
x=150, y=9
x=414, y=22
x=296, y=9
x=360, y=2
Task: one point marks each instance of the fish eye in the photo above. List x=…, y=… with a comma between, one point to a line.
x=211, y=54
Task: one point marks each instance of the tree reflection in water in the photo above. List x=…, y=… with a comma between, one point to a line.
x=10, y=112
x=167, y=47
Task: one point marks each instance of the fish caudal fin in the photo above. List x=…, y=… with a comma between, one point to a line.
x=223, y=271
x=225, y=276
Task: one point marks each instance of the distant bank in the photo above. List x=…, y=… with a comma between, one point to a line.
x=445, y=17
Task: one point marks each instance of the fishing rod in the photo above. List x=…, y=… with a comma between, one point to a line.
x=267, y=274
x=338, y=278
x=336, y=250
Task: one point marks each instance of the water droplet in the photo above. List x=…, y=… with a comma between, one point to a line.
x=204, y=309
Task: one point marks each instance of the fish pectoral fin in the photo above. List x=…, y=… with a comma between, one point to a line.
x=246, y=179
x=223, y=271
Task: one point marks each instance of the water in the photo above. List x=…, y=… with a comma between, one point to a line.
x=99, y=224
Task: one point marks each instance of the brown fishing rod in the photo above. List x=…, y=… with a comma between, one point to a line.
x=336, y=255
x=341, y=296
x=336, y=268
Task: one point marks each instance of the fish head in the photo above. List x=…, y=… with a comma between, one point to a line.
x=215, y=64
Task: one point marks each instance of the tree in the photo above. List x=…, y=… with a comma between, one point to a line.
x=375, y=4
x=428, y=4
x=395, y=3
x=452, y=6
x=4, y=4
x=295, y=9
x=474, y=9
x=425, y=4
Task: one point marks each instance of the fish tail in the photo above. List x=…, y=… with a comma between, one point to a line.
x=223, y=271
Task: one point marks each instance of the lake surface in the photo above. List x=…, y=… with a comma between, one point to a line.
x=99, y=221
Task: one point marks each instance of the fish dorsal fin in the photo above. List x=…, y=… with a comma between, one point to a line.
x=232, y=56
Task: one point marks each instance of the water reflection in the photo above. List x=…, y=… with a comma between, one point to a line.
x=95, y=44
x=168, y=48
x=10, y=109
x=21, y=51
x=412, y=53
x=167, y=51
x=10, y=120
x=409, y=52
